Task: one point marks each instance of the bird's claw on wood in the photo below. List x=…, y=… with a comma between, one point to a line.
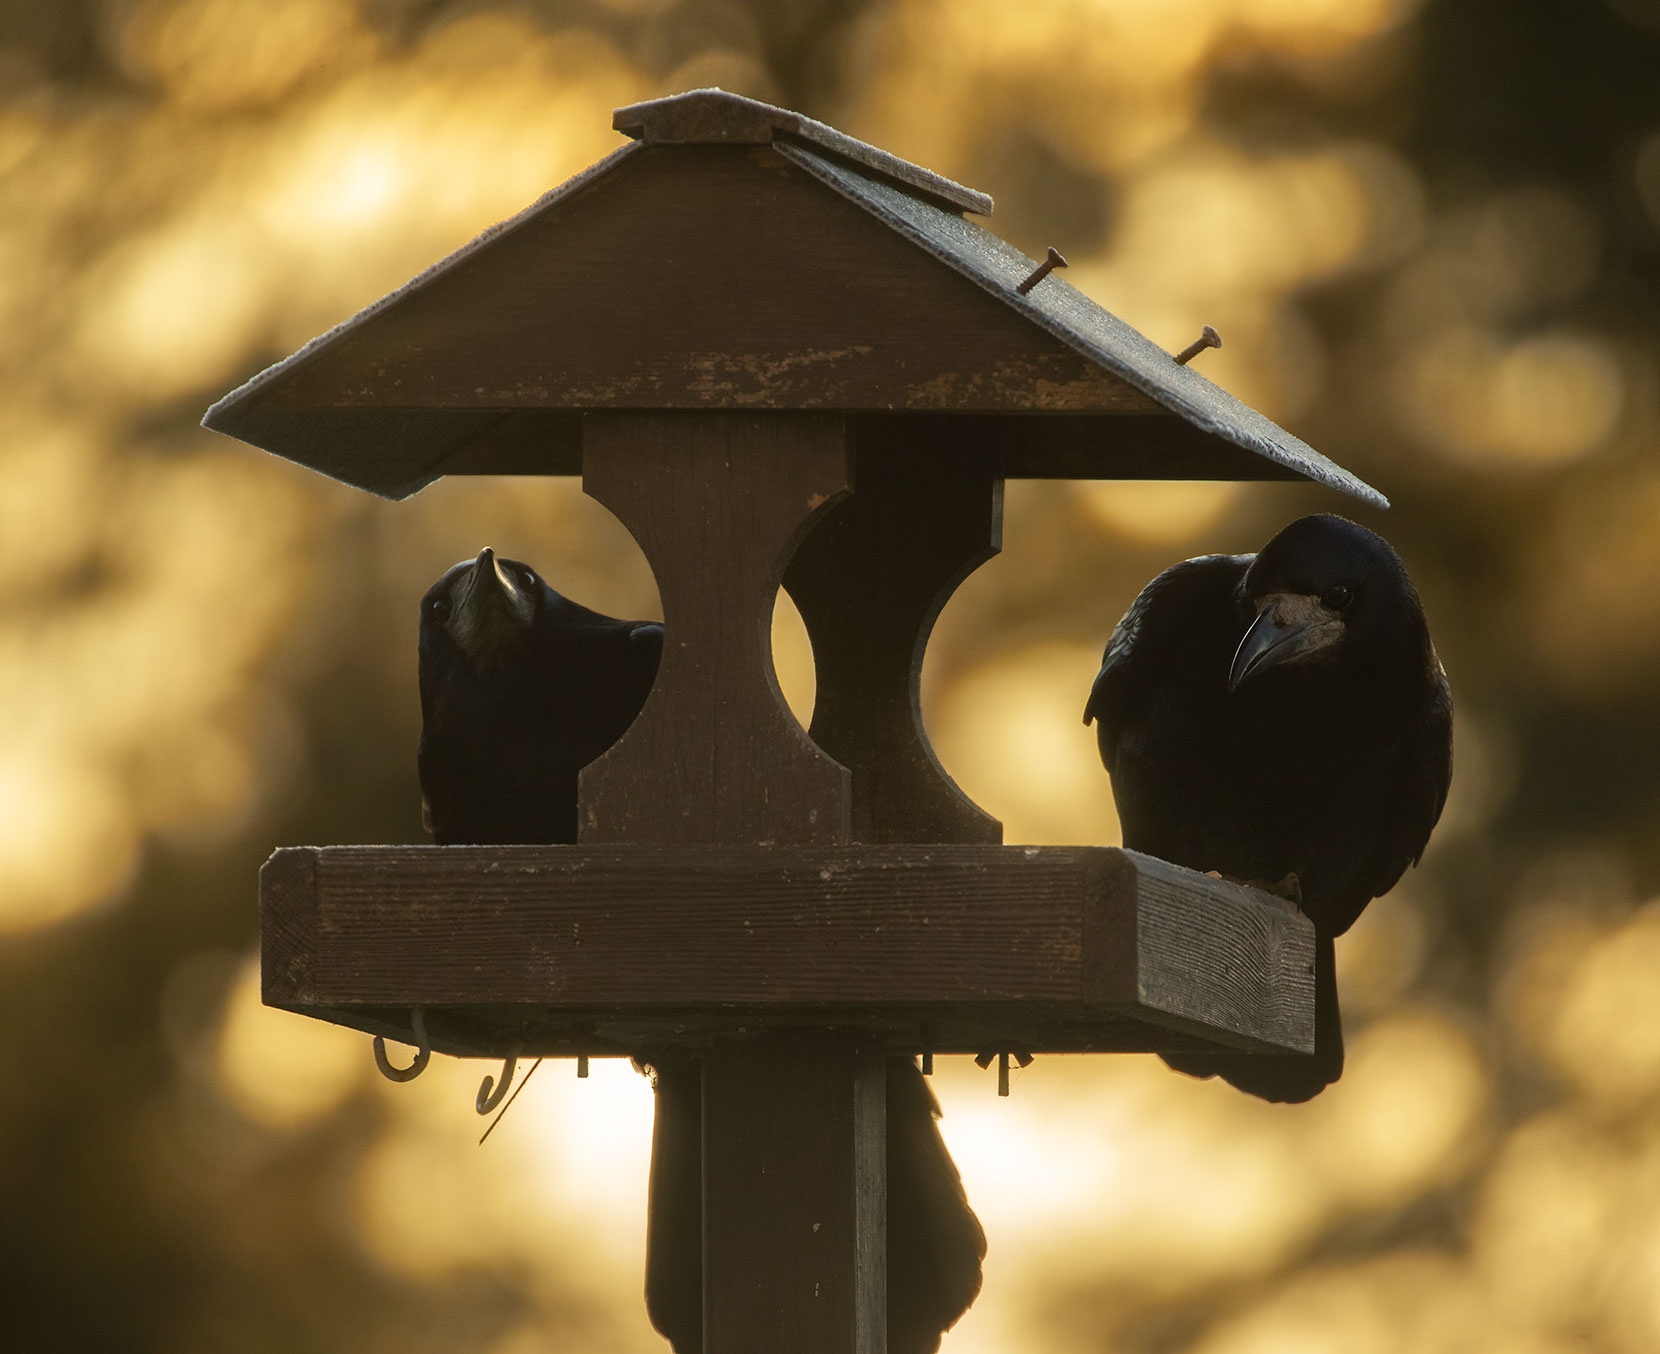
x=1288, y=887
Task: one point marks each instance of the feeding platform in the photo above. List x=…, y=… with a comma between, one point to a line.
x=781, y=357
x=566, y=950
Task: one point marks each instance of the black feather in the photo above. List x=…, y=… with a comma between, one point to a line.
x=1332, y=764
x=511, y=713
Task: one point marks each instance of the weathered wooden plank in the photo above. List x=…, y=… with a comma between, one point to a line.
x=800, y=1115
x=702, y=277
x=289, y=901
x=717, y=503
x=714, y=116
x=1044, y=947
x=1030, y=445
x=1261, y=973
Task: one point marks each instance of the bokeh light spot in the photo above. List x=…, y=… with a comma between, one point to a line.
x=1541, y=401
x=1157, y=511
x=1011, y=733
x=279, y=1069
x=1404, y=1115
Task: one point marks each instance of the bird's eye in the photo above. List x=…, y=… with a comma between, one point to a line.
x=439, y=609
x=527, y=578
x=1338, y=598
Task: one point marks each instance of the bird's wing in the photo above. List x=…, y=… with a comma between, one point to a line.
x=935, y=1243
x=1159, y=630
x=1417, y=794
x=645, y=638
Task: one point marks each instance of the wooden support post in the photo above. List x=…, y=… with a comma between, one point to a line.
x=795, y=1197
x=717, y=503
x=789, y=1237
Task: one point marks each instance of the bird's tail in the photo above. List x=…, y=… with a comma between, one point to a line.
x=1293, y=1077
x=935, y=1244
x=674, y=1215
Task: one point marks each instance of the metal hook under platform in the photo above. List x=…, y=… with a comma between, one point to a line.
x=423, y=1050
x=488, y=1097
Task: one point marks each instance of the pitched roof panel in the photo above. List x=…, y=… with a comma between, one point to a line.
x=741, y=256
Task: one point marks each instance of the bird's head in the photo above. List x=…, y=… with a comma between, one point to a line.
x=485, y=607
x=1324, y=590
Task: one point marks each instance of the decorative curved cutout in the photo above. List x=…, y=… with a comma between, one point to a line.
x=926, y=512
x=718, y=503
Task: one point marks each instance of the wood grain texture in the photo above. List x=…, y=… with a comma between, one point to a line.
x=1046, y=948
x=704, y=116
x=924, y=514
x=289, y=901
x=1256, y=977
x=1016, y=445
x=718, y=503
x=795, y=1119
x=706, y=277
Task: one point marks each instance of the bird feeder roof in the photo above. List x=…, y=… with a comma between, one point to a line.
x=738, y=256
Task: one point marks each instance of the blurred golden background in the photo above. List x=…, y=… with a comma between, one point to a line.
x=1430, y=235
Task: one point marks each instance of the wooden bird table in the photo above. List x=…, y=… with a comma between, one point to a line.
x=780, y=357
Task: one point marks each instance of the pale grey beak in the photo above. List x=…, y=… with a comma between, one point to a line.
x=1288, y=626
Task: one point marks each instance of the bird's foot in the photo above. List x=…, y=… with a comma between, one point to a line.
x=1289, y=888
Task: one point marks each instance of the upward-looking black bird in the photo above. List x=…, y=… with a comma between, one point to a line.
x=1274, y=714
x=520, y=688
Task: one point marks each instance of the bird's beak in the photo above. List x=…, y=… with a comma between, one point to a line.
x=1289, y=626
x=490, y=609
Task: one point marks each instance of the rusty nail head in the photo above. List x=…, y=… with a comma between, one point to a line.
x=1055, y=260
x=1209, y=339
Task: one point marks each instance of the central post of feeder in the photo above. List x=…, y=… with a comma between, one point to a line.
x=782, y=357
x=793, y=1182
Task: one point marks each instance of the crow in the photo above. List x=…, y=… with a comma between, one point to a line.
x=1281, y=714
x=522, y=687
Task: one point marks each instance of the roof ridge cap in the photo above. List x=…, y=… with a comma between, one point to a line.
x=714, y=116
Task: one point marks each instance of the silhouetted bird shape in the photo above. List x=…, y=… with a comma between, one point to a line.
x=521, y=688
x=1281, y=714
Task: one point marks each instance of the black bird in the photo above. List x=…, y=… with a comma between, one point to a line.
x=520, y=689
x=1281, y=714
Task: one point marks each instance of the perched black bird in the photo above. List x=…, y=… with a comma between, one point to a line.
x=1281, y=714
x=520, y=689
